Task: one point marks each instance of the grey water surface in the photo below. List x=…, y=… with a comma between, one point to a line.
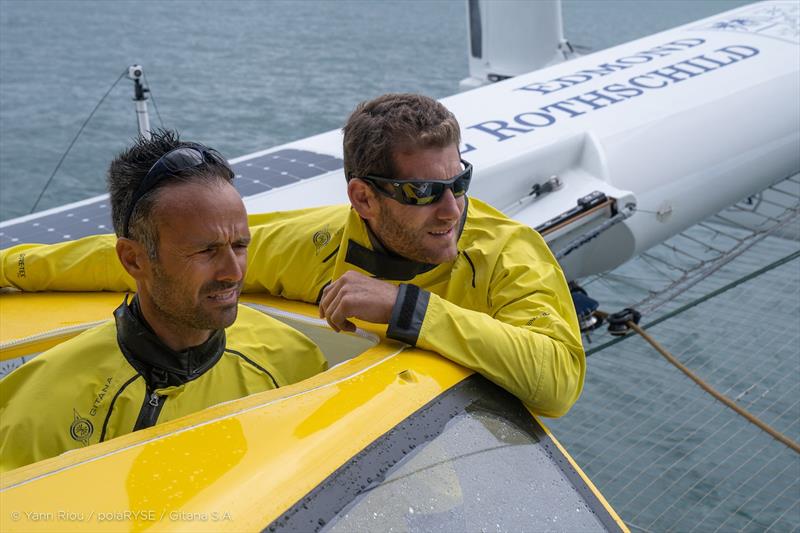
x=238, y=75
x=247, y=75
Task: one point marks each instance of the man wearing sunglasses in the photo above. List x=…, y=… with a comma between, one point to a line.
x=444, y=272
x=182, y=343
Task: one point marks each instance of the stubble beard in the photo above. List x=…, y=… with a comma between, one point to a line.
x=177, y=307
x=406, y=243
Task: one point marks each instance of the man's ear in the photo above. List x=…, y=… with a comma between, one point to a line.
x=133, y=256
x=363, y=198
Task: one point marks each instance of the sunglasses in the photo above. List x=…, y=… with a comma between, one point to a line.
x=191, y=155
x=422, y=192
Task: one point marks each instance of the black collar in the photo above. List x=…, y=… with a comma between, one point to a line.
x=384, y=265
x=160, y=365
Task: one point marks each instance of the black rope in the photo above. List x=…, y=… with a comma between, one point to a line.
x=153, y=98
x=85, y=122
x=712, y=294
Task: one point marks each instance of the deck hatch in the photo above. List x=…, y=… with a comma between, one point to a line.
x=470, y=459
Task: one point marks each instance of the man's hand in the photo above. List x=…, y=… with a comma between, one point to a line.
x=355, y=295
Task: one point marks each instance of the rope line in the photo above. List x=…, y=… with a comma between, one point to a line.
x=612, y=450
x=63, y=157
x=702, y=299
x=153, y=98
x=713, y=392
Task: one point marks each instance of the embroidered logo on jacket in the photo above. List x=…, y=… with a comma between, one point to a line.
x=81, y=429
x=321, y=238
x=544, y=314
x=99, y=399
x=21, y=266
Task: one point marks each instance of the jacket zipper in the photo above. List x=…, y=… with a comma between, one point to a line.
x=148, y=416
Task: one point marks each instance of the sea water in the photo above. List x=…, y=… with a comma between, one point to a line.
x=245, y=76
x=237, y=75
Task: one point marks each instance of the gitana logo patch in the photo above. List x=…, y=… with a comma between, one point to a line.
x=81, y=429
x=321, y=238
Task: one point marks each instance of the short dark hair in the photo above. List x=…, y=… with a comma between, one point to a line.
x=129, y=168
x=378, y=128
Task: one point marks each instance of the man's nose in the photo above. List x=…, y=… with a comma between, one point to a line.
x=231, y=265
x=447, y=206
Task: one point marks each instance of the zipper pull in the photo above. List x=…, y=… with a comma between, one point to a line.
x=154, y=399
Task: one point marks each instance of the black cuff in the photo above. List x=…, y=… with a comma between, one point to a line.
x=408, y=313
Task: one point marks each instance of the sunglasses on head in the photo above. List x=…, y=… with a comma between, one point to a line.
x=422, y=192
x=188, y=156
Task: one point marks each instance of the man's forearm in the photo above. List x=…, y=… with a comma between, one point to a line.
x=88, y=264
x=544, y=371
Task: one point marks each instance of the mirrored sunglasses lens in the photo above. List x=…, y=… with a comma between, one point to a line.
x=426, y=201
x=460, y=187
x=420, y=193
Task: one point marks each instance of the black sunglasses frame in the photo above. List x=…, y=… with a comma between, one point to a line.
x=168, y=164
x=439, y=186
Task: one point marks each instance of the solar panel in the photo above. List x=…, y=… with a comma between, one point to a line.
x=253, y=176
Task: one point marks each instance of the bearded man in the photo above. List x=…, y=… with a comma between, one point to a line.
x=444, y=272
x=182, y=343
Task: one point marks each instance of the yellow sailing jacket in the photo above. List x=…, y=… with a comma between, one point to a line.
x=118, y=377
x=501, y=308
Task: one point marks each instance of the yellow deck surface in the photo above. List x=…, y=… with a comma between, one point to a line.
x=233, y=467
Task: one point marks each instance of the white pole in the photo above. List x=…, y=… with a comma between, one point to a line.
x=143, y=118
x=135, y=73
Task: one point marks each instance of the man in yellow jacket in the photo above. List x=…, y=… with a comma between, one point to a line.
x=183, y=343
x=444, y=272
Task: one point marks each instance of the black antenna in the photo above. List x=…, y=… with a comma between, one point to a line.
x=85, y=122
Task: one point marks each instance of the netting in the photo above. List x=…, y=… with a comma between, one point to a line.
x=667, y=455
x=660, y=277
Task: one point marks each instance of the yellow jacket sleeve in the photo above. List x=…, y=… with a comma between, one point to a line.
x=282, y=258
x=546, y=373
x=87, y=264
x=526, y=339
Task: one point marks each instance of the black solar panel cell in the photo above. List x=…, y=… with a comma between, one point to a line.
x=79, y=222
x=248, y=187
x=304, y=170
x=331, y=163
x=254, y=176
x=278, y=178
